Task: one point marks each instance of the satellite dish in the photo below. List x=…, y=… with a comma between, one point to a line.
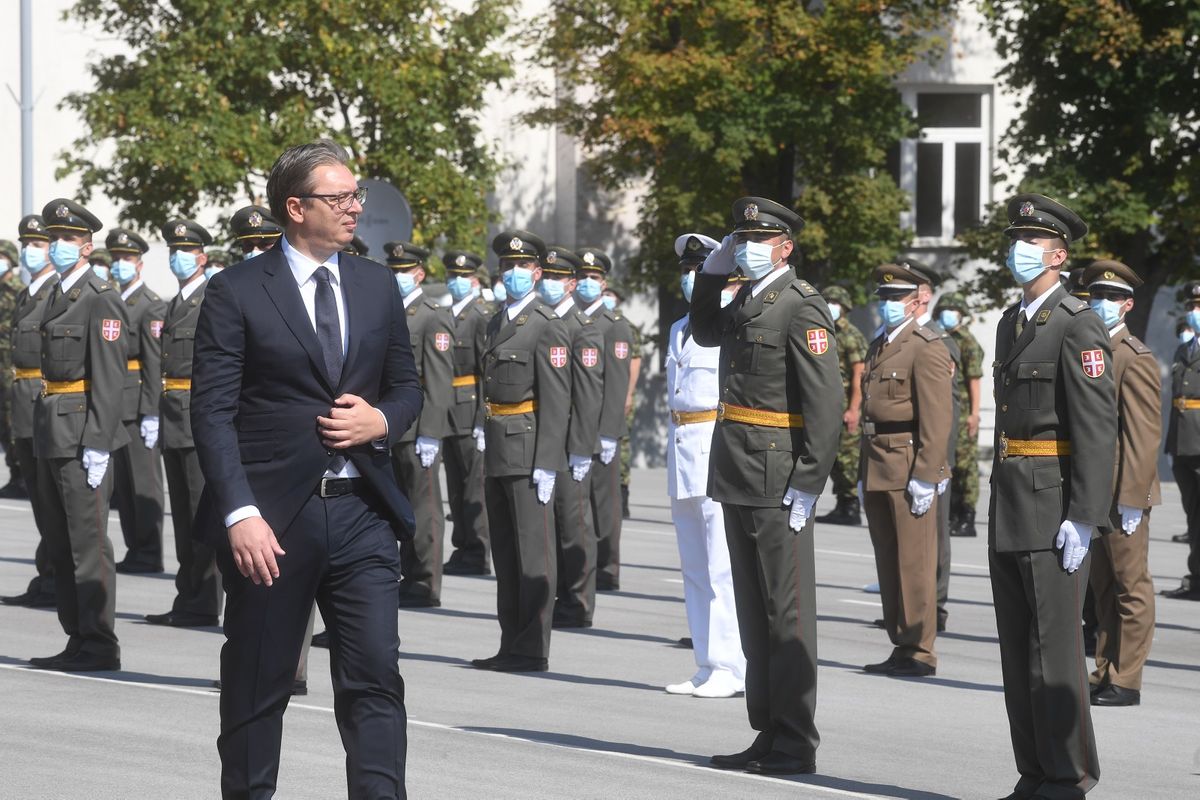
x=386, y=217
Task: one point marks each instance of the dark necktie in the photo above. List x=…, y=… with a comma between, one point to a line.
x=329, y=334
x=1020, y=326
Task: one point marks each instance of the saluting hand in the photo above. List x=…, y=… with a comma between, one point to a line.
x=254, y=549
x=351, y=422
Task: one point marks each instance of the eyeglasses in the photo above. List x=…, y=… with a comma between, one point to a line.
x=341, y=200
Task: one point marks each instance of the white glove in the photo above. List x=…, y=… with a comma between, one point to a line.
x=943, y=484
x=1073, y=538
x=427, y=449
x=720, y=260
x=149, y=430
x=922, y=496
x=802, y=507
x=479, y=443
x=544, y=480
x=861, y=501
x=579, y=466
x=608, y=450
x=1130, y=519
x=96, y=464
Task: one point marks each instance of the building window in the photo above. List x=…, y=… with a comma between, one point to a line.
x=945, y=169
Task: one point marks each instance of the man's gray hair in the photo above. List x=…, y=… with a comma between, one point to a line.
x=292, y=172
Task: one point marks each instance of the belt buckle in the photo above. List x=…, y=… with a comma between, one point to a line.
x=324, y=488
x=487, y=410
x=1003, y=447
x=869, y=428
x=675, y=417
x=720, y=412
x=1181, y=404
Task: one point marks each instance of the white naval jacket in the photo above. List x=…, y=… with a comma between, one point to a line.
x=692, y=385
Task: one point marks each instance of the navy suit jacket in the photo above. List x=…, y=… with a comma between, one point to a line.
x=259, y=383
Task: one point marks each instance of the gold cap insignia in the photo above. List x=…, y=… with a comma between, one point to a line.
x=181, y=229
x=460, y=260
x=62, y=212
x=398, y=250
x=515, y=243
x=255, y=219
x=552, y=256
x=1027, y=209
x=123, y=238
x=1109, y=274
x=589, y=258
x=751, y=212
x=888, y=277
x=34, y=225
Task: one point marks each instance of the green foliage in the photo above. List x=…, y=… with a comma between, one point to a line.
x=711, y=100
x=209, y=92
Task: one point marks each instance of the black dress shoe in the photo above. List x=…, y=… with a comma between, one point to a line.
x=86, y=662
x=14, y=490
x=739, y=760
x=515, y=663
x=604, y=583
x=878, y=623
x=1113, y=695
x=1182, y=538
x=183, y=619
x=30, y=599
x=299, y=688
x=1184, y=592
x=686, y=641
x=44, y=662
x=941, y=625
x=777, y=763
x=882, y=668
x=911, y=668
x=321, y=639
x=418, y=601
x=486, y=663
x=453, y=567
x=128, y=567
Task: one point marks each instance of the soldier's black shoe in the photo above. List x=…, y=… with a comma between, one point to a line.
x=911, y=668
x=606, y=584
x=86, y=662
x=1182, y=538
x=183, y=619
x=882, y=668
x=44, y=662
x=455, y=567
x=299, y=688
x=846, y=512
x=1184, y=592
x=966, y=524
x=320, y=639
x=686, y=641
x=739, y=760
x=31, y=599
x=1113, y=695
x=777, y=763
x=14, y=490
x=515, y=663
x=417, y=600
x=128, y=567
x=486, y=663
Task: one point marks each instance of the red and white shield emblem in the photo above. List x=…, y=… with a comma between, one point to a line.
x=441, y=341
x=156, y=328
x=621, y=349
x=1093, y=363
x=818, y=340
x=558, y=356
x=591, y=356
x=110, y=329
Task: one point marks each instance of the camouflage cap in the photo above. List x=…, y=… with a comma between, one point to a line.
x=839, y=295
x=9, y=250
x=100, y=256
x=954, y=300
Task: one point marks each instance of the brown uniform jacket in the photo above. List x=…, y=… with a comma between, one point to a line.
x=1139, y=424
x=27, y=355
x=178, y=342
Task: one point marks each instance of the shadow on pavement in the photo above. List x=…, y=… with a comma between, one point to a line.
x=588, y=680
x=1172, y=665
x=453, y=612
x=15, y=560
x=123, y=676
x=640, y=596
x=950, y=683
x=608, y=634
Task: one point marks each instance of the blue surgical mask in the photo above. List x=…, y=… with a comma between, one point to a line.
x=1109, y=311
x=518, y=282
x=835, y=311
x=124, y=270
x=893, y=312
x=459, y=287
x=754, y=258
x=64, y=255
x=101, y=272
x=499, y=292
x=211, y=271
x=727, y=297
x=406, y=282
x=949, y=318
x=4, y=266
x=1193, y=320
x=610, y=303
x=552, y=290
x=1025, y=261
x=1186, y=336
x=33, y=258
x=589, y=290
x=688, y=282
x=252, y=254
x=183, y=265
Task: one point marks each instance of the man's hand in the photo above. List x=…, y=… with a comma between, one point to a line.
x=351, y=422
x=427, y=450
x=149, y=431
x=608, y=450
x=922, y=494
x=95, y=462
x=850, y=420
x=480, y=443
x=254, y=549
x=579, y=466
x=1073, y=538
x=720, y=261
x=802, y=507
x=973, y=425
x=544, y=480
x=1130, y=519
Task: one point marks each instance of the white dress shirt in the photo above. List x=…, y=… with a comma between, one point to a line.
x=194, y=283
x=457, y=308
x=131, y=288
x=74, y=278
x=412, y=297
x=768, y=279
x=564, y=308
x=1031, y=308
x=38, y=283
x=513, y=309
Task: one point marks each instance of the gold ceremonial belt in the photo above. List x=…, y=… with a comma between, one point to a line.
x=65, y=387
x=508, y=409
x=757, y=416
x=26, y=373
x=1030, y=447
x=1185, y=403
x=177, y=384
x=690, y=417
x=464, y=380
x=133, y=365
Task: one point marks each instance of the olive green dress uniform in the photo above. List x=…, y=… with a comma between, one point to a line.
x=83, y=365
x=138, y=480
x=10, y=294
x=431, y=331
x=1053, y=384
x=852, y=349
x=778, y=355
x=1183, y=445
x=964, y=482
x=462, y=460
x=527, y=389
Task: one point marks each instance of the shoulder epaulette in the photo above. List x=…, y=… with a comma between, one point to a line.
x=927, y=334
x=1073, y=304
x=153, y=297
x=430, y=304
x=1138, y=345
x=547, y=312
x=804, y=288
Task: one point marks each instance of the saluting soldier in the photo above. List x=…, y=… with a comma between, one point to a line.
x=462, y=452
x=964, y=481
x=1120, y=574
x=137, y=486
x=1183, y=440
x=26, y=350
x=10, y=292
x=907, y=400
x=254, y=230
x=197, y=583
x=527, y=395
x=574, y=521
x=590, y=283
x=1052, y=488
x=417, y=454
x=772, y=451
x=77, y=426
x=852, y=350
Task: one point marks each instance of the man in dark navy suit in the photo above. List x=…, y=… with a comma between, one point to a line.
x=303, y=381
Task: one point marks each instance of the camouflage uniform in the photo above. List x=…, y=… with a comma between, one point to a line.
x=964, y=484
x=626, y=449
x=10, y=292
x=852, y=349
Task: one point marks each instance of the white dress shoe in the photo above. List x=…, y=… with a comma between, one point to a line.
x=720, y=684
x=689, y=686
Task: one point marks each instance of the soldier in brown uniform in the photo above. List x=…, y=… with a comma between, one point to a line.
x=1120, y=574
x=907, y=413
x=1052, y=491
x=137, y=488
x=462, y=453
x=417, y=455
x=1183, y=441
x=27, y=387
x=77, y=423
x=777, y=433
x=527, y=394
x=197, y=582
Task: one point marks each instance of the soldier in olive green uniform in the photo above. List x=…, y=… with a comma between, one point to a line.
x=26, y=358
x=137, y=486
x=1052, y=490
x=852, y=351
x=964, y=482
x=614, y=296
x=1183, y=440
x=357, y=247
x=772, y=451
x=527, y=394
x=254, y=230
x=590, y=283
x=77, y=425
x=197, y=583
x=463, y=459
x=10, y=291
x=574, y=522
x=417, y=455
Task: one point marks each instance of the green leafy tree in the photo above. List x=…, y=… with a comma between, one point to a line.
x=207, y=93
x=1109, y=128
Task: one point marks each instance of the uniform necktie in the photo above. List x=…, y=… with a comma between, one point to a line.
x=329, y=334
x=1020, y=326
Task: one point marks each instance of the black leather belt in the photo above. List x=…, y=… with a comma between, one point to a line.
x=882, y=428
x=336, y=487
